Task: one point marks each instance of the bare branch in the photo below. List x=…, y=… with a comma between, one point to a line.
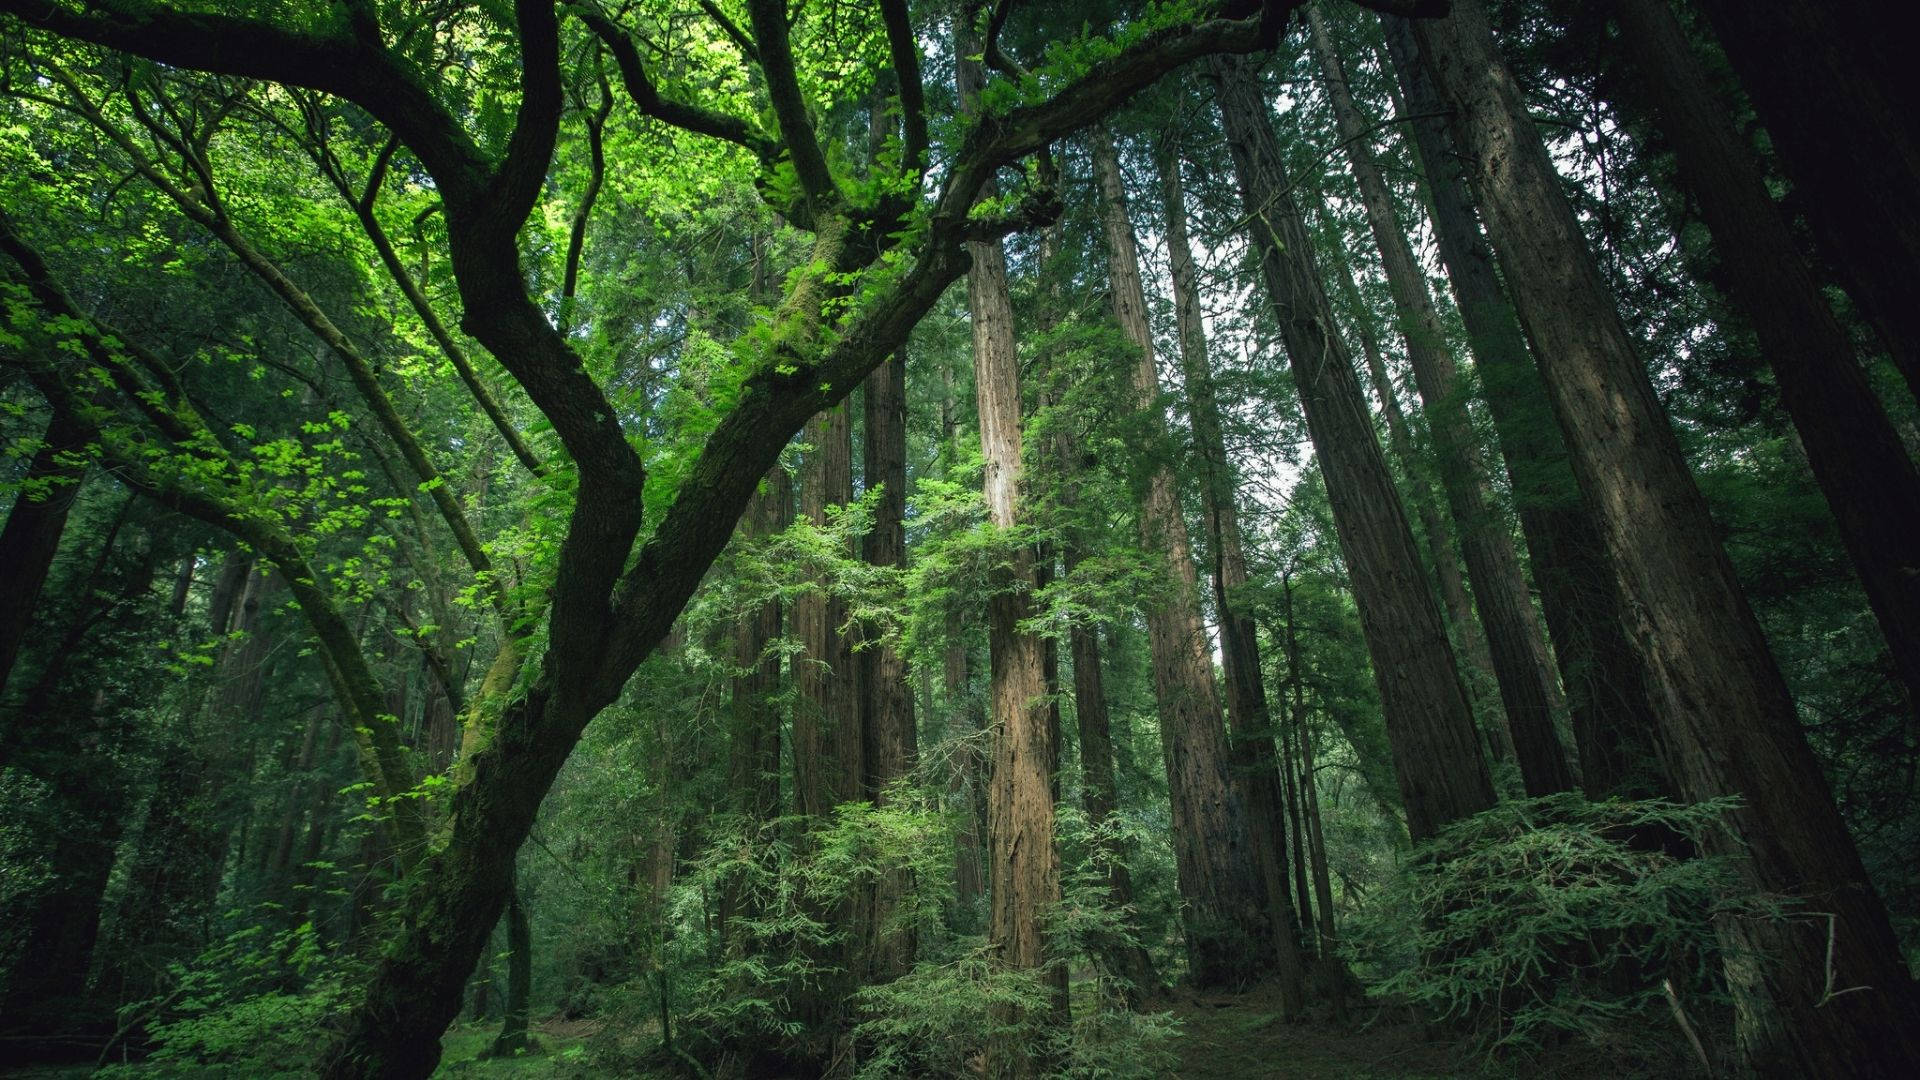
x=693, y=118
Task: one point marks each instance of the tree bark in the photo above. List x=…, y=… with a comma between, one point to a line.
x=1434, y=529
x=1605, y=680
x=1519, y=652
x=31, y=536
x=827, y=744
x=1840, y=117
x=1023, y=859
x=753, y=722
x=1437, y=761
x=1858, y=458
x=962, y=715
x=826, y=722
x=887, y=727
x=1728, y=724
x=1228, y=907
x=1472, y=644
x=1251, y=747
x=754, y=750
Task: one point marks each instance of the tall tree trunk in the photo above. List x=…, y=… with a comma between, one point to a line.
x=826, y=726
x=1841, y=118
x=1099, y=787
x=963, y=723
x=1605, y=680
x=753, y=723
x=1436, y=753
x=1023, y=859
x=1340, y=983
x=1253, y=732
x=513, y=1039
x=31, y=536
x=1856, y=455
x=1297, y=846
x=1227, y=905
x=1470, y=642
x=1519, y=652
x=962, y=716
x=1099, y=792
x=1433, y=525
x=826, y=722
x=891, y=745
x=1728, y=724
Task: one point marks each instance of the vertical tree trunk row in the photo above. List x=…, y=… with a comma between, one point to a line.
x=1857, y=456
x=1228, y=907
x=1437, y=761
x=1728, y=724
x=1251, y=749
x=1840, y=116
x=1519, y=652
x=1606, y=683
x=1433, y=525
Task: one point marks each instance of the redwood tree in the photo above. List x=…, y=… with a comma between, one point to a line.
x=1727, y=723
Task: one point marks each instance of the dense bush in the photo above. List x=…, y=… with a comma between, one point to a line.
x=255, y=1005
x=1553, y=915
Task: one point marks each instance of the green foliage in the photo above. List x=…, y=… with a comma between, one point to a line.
x=257, y=1004
x=943, y=1018
x=1552, y=914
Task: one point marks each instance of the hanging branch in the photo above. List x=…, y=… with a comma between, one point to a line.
x=363, y=208
x=361, y=695
x=205, y=208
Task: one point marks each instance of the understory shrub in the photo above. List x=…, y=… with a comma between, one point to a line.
x=1552, y=915
x=255, y=1004
x=944, y=1019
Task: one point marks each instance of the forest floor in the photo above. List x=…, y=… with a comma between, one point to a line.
x=1241, y=1037
x=1222, y=1037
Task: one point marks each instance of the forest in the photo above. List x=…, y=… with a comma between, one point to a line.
x=739, y=539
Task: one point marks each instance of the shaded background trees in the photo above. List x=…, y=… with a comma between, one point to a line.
x=530, y=467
